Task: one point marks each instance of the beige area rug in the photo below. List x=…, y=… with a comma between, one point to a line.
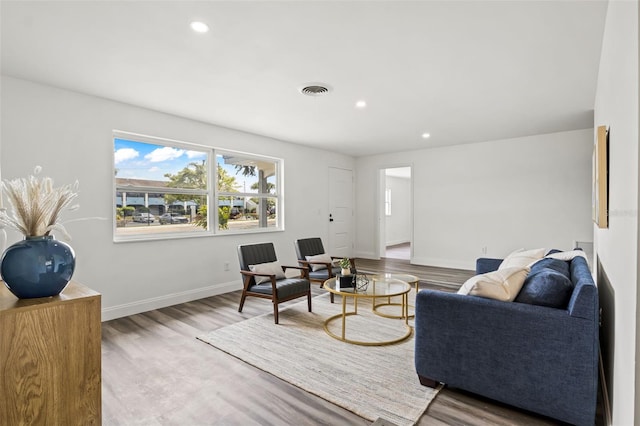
x=374, y=382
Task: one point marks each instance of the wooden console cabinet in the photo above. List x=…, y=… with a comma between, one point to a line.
x=50, y=358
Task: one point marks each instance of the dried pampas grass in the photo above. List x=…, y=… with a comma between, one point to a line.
x=37, y=205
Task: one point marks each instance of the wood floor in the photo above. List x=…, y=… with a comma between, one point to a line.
x=155, y=372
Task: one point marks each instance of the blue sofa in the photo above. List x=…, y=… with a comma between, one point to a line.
x=538, y=358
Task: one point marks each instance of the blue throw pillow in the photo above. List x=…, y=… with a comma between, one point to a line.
x=558, y=265
x=546, y=287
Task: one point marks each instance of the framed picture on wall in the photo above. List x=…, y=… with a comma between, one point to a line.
x=600, y=197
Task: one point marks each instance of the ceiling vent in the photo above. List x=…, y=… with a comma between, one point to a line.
x=315, y=89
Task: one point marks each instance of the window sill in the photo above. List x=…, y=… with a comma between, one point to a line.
x=180, y=236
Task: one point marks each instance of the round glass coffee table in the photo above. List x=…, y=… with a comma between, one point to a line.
x=410, y=279
x=378, y=288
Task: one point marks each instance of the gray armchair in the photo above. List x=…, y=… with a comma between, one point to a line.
x=323, y=270
x=263, y=277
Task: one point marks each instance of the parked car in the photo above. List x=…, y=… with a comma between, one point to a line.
x=144, y=217
x=169, y=218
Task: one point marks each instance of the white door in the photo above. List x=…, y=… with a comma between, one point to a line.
x=340, y=212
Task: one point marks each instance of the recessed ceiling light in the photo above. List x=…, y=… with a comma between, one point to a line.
x=199, y=27
x=426, y=136
x=361, y=104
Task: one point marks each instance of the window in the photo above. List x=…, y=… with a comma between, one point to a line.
x=163, y=189
x=247, y=195
x=387, y=201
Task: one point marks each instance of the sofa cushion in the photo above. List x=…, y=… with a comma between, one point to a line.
x=520, y=258
x=319, y=258
x=546, y=287
x=503, y=284
x=271, y=268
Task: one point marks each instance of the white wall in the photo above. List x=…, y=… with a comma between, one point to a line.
x=525, y=192
x=398, y=225
x=70, y=136
x=617, y=247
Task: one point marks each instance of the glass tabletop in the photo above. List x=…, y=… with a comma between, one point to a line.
x=398, y=276
x=380, y=287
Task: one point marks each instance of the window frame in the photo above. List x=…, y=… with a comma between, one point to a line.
x=278, y=165
x=211, y=193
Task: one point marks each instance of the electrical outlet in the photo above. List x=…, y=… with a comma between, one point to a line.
x=226, y=266
x=484, y=250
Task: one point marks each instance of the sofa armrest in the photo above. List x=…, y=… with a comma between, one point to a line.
x=486, y=264
x=537, y=358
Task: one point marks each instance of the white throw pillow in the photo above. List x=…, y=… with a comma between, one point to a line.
x=463, y=290
x=319, y=258
x=503, y=284
x=271, y=268
x=566, y=255
x=522, y=257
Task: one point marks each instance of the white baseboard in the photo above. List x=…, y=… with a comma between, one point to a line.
x=443, y=263
x=396, y=242
x=366, y=255
x=145, y=305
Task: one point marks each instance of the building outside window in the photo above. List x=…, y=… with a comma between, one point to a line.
x=163, y=189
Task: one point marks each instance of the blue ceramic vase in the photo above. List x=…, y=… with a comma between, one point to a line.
x=37, y=267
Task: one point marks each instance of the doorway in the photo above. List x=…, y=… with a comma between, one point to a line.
x=395, y=234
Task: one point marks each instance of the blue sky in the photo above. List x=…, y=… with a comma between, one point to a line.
x=137, y=160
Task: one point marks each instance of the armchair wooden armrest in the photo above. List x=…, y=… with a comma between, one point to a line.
x=249, y=274
x=255, y=274
x=308, y=264
x=303, y=269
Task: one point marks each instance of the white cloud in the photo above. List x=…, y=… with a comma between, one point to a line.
x=196, y=154
x=164, y=154
x=154, y=169
x=124, y=154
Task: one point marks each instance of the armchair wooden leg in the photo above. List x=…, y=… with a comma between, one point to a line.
x=330, y=294
x=309, y=300
x=275, y=312
x=242, y=299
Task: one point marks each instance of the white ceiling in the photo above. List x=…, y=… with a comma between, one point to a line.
x=463, y=71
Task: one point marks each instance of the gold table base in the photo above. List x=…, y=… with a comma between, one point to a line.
x=409, y=279
x=345, y=314
x=382, y=314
